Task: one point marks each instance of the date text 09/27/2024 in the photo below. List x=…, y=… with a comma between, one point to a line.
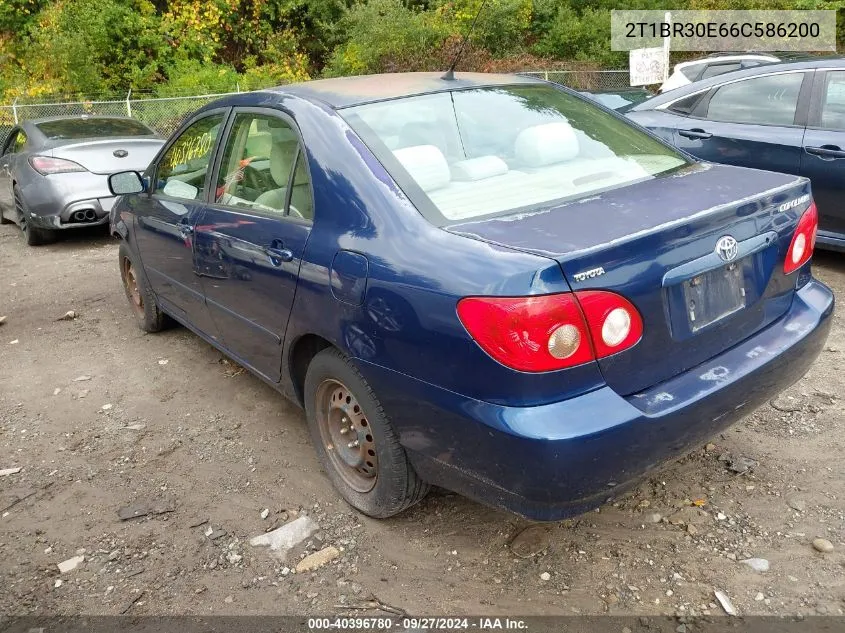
x=417, y=623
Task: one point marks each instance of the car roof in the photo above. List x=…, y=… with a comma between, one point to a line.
x=835, y=62
x=342, y=92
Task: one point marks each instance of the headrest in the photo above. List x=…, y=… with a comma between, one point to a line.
x=546, y=144
x=281, y=161
x=426, y=164
x=479, y=168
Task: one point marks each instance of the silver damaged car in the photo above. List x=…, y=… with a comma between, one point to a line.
x=54, y=172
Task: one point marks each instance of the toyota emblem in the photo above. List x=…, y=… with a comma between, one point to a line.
x=726, y=248
x=120, y=153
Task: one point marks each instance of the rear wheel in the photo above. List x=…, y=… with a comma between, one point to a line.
x=355, y=441
x=33, y=235
x=141, y=298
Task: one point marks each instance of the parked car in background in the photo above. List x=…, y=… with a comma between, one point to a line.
x=54, y=172
x=619, y=100
x=487, y=283
x=717, y=64
x=786, y=117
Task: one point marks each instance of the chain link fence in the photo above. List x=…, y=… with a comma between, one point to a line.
x=164, y=114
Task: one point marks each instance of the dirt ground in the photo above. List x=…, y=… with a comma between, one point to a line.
x=99, y=416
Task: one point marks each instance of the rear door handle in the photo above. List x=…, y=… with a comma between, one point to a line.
x=695, y=133
x=278, y=253
x=186, y=230
x=826, y=152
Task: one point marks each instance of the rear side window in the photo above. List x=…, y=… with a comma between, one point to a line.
x=833, y=102
x=263, y=168
x=184, y=167
x=691, y=72
x=93, y=128
x=486, y=151
x=769, y=100
x=714, y=70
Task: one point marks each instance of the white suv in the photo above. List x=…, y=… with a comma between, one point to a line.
x=688, y=72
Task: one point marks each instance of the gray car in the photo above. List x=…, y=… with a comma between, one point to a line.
x=54, y=172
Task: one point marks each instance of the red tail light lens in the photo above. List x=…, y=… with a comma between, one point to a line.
x=45, y=165
x=549, y=332
x=804, y=241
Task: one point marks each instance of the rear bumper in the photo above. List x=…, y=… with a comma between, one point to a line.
x=552, y=461
x=53, y=202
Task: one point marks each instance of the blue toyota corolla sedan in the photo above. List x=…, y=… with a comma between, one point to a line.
x=486, y=283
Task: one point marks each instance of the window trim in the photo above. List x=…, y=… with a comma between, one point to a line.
x=152, y=170
x=218, y=160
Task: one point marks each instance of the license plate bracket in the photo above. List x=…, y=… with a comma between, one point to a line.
x=714, y=295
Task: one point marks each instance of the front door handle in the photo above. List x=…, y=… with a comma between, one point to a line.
x=186, y=230
x=826, y=152
x=278, y=254
x=695, y=133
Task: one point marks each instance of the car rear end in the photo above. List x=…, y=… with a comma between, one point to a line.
x=687, y=300
x=66, y=183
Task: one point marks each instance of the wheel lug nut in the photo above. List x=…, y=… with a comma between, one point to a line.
x=344, y=430
x=353, y=444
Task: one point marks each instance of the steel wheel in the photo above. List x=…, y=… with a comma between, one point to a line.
x=346, y=435
x=130, y=281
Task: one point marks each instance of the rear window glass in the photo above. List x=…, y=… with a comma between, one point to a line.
x=93, y=128
x=472, y=153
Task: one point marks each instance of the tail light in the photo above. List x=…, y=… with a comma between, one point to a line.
x=46, y=165
x=804, y=241
x=549, y=332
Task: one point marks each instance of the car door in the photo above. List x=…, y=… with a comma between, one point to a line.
x=13, y=144
x=165, y=219
x=823, y=159
x=752, y=122
x=252, y=234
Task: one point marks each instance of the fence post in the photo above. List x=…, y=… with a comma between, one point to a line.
x=15, y=110
x=546, y=75
x=238, y=86
x=128, y=105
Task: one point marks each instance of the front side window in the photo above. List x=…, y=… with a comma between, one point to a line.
x=184, y=168
x=20, y=141
x=486, y=151
x=769, y=100
x=263, y=168
x=833, y=102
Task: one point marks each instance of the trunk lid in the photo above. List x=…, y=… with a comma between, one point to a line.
x=655, y=243
x=106, y=156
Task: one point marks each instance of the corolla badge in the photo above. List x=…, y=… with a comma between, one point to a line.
x=120, y=153
x=727, y=248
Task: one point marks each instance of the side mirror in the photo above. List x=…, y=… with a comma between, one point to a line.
x=126, y=182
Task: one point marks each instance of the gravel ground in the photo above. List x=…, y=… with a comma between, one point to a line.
x=99, y=416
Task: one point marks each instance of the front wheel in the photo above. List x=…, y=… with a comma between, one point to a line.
x=148, y=316
x=354, y=440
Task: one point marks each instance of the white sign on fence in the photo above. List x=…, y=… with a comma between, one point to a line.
x=648, y=65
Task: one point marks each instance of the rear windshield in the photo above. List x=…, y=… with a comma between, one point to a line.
x=471, y=153
x=93, y=128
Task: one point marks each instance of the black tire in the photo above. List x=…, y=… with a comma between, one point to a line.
x=396, y=485
x=33, y=235
x=147, y=314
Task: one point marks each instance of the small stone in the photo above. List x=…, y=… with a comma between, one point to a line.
x=163, y=361
x=730, y=556
x=106, y=407
x=720, y=516
x=759, y=597
x=317, y=559
x=530, y=541
x=229, y=599
x=653, y=517
x=265, y=513
x=757, y=564
x=2, y=319
x=59, y=582
x=741, y=465
x=15, y=342
x=282, y=539
x=797, y=505
x=545, y=576
x=822, y=545
x=692, y=530
x=82, y=393
x=710, y=448
x=625, y=629
x=57, y=391
x=81, y=378
x=10, y=471
x=70, y=564
x=681, y=628
x=792, y=579
x=234, y=558
x=70, y=315
x=669, y=593
x=726, y=603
